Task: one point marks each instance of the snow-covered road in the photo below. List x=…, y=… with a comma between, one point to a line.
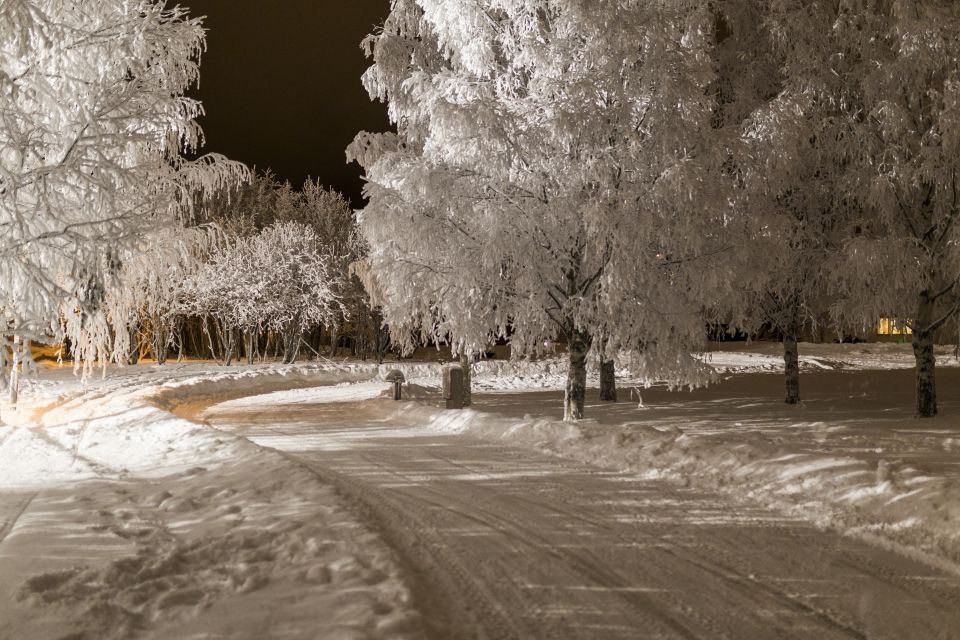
x=505, y=542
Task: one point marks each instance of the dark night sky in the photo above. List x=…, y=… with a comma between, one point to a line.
x=280, y=82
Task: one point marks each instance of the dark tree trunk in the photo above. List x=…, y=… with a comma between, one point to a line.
x=791, y=360
x=466, y=364
x=161, y=341
x=578, y=345
x=334, y=339
x=249, y=340
x=608, y=381
x=925, y=360
x=133, y=356
x=383, y=340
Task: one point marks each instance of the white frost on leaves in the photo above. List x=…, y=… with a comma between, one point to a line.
x=94, y=122
x=545, y=167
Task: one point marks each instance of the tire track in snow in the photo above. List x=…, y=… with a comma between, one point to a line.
x=483, y=546
x=19, y=508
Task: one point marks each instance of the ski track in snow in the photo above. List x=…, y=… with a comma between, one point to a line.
x=503, y=542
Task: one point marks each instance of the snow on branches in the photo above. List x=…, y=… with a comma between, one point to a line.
x=548, y=160
x=93, y=125
x=878, y=85
x=280, y=279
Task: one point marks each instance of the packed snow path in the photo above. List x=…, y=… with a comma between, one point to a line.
x=502, y=542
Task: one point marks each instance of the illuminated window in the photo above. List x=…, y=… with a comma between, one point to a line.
x=893, y=327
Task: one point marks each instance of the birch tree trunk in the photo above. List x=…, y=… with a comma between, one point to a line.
x=466, y=364
x=248, y=345
x=291, y=346
x=923, y=355
x=578, y=344
x=791, y=359
x=228, y=340
x=17, y=357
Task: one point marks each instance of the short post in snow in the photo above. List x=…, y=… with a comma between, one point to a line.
x=453, y=387
x=396, y=377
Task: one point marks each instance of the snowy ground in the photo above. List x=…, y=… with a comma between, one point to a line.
x=120, y=517
x=852, y=456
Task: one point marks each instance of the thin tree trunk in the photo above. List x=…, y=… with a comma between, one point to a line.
x=180, y=341
x=466, y=364
x=578, y=344
x=4, y=361
x=227, y=336
x=206, y=331
x=161, y=341
x=248, y=346
x=925, y=360
x=334, y=339
x=15, y=370
x=277, y=346
x=291, y=346
x=383, y=339
x=791, y=359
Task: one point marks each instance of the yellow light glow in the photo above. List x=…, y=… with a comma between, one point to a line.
x=892, y=327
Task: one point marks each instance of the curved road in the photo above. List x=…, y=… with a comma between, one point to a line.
x=502, y=542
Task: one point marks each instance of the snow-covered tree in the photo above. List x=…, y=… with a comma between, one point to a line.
x=93, y=125
x=152, y=292
x=788, y=166
x=299, y=280
x=279, y=279
x=546, y=178
x=891, y=66
x=329, y=215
